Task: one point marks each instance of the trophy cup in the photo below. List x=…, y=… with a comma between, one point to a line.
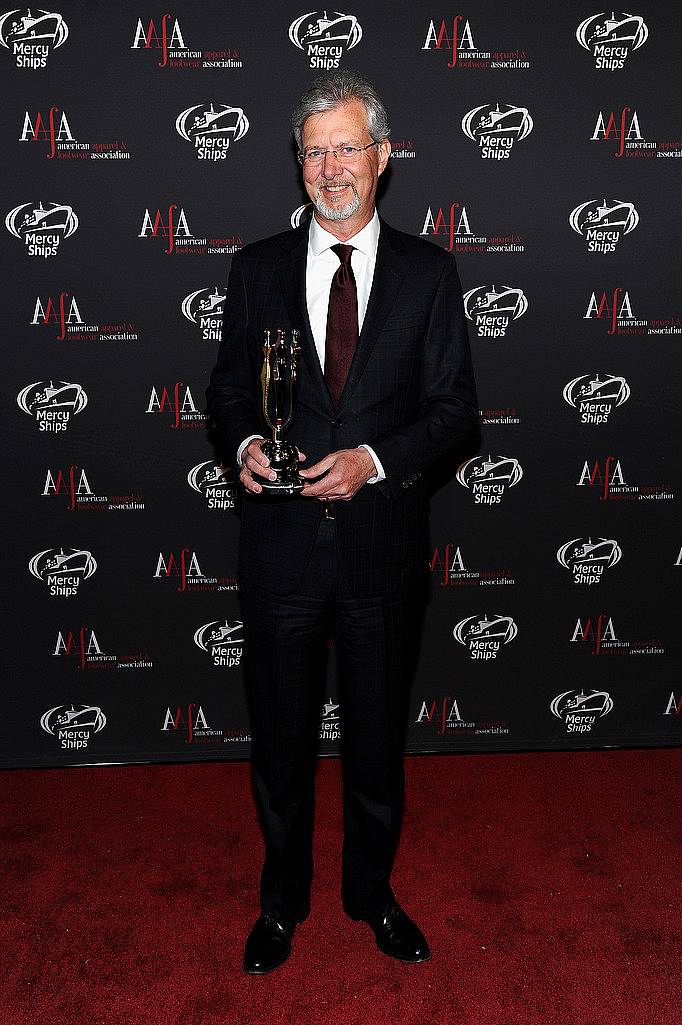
x=278, y=377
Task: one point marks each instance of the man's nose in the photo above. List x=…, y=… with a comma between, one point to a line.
x=331, y=165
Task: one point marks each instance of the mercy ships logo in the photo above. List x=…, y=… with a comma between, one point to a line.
x=32, y=35
x=223, y=641
x=588, y=557
x=62, y=569
x=204, y=308
x=611, y=39
x=212, y=128
x=580, y=709
x=604, y=223
x=596, y=395
x=52, y=404
x=215, y=483
x=42, y=227
x=493, y=307
x=496, y=129
x=73, y=726
x=325, y=36
x=488, y=478
x=484, y=635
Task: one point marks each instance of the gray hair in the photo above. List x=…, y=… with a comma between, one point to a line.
x=332, y=90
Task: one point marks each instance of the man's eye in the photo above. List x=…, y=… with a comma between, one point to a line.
x=314, y=154
x=348, y=151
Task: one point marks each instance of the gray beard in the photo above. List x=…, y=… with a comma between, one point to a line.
x=340, y=213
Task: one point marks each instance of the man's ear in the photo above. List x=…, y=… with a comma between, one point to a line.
x=384, y=152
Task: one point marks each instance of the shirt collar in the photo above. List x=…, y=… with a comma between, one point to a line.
x=366, y=240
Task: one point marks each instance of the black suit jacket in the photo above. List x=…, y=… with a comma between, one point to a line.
x=410, y=394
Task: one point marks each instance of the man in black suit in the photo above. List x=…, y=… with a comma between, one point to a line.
x=386, y=387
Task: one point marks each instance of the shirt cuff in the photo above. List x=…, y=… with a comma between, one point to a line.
x=380, y=475
x=243, y=445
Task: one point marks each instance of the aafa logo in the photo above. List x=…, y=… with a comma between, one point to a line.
x=42, y=227
x=616, y=308
x=496, y=129
x=484, y=635
x=204, y=308
x=603, y=223
x=488, y=477
x=458, y=41
x=72, y=484
x=174, y=227
x=493, y=307
x=611, y=38
x=167, y=37
x=222, y=640
x=211, y=130
x=623, y=128
x=62, y=569
x=215, y=483
x=595, y=395
x=45, y=129
x=52, y=403
x=609, y=478
x=81, y=645
x=325, y=37
x=56, y=312
x=73, y=726
x=31, y=36
x=442, y=714
x=580, y=709
x=588, y=557
x=176, y=402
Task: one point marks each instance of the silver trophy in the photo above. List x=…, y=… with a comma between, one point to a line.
x=278, y=377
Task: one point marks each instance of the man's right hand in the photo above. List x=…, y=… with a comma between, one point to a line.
x=255, y=464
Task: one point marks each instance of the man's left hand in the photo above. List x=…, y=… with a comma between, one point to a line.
x=345, y=473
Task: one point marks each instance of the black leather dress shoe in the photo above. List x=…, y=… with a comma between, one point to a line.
x=268, y=945
x=397, y=935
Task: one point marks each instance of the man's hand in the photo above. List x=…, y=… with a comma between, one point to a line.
x=255, y=464
x=349, y=469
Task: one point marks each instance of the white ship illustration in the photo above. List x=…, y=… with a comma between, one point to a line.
x=494, y=469
x=329, y=710
x=617, y=30
x=209, y=122
x=40, y=219
x=67, y=563
x=497, y=626
x=211, y=476
x=501, y=122
x=615, y=216
x=588, y=702
x=330, y=30
x=505, y=301
x=87, y=716
x=601, y=388
x=212, y=303
x=43, y=27
x=600, y=550
x=64, y=396
x=223, y=634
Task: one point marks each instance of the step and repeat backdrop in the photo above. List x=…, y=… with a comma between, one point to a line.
x=540, y=144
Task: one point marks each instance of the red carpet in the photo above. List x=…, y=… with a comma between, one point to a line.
x=546, y=884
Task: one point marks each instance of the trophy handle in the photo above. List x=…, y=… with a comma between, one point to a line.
x=265, y=377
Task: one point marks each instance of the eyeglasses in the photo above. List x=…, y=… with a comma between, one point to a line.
x=345, y=154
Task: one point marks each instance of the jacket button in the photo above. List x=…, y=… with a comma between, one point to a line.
x=336, y=423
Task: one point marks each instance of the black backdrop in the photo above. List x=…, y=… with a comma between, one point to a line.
x=142, y=147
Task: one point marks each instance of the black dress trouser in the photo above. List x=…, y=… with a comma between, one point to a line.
x=285, y=641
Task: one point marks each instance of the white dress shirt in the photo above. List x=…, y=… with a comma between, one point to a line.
x=321, y=265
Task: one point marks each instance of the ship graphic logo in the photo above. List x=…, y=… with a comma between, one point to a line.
x=73, y=717
x=219, y=635
x=42, y=397
x=322, y=28
x=330, y=710
x=500, y=470
x=43, y=26
x=484, y=635
x=580, y=709
x=598, y=392
x=588, y=557
x=493, y=307
x=207, y=123
x=204, y=304
x=616, y=30
x=610, y=214
x=205, y=477
x=56, y=564
x=300, y=214
x=485, y=123
x=43, y=218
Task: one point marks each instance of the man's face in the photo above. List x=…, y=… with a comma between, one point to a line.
x=343, y=192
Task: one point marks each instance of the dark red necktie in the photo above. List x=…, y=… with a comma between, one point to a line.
x=342, y=324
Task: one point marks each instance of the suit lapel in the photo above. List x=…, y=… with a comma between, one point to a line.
x=389, y=271
x=292, y=273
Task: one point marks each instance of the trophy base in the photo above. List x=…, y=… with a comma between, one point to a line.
x=283, y=458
